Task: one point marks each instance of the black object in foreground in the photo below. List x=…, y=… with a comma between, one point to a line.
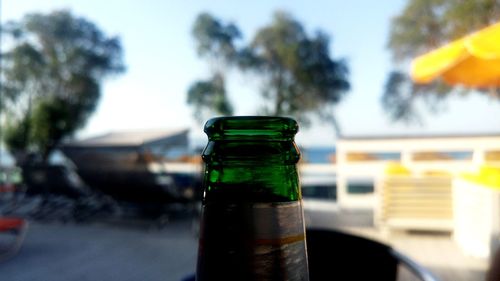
x=334, y=255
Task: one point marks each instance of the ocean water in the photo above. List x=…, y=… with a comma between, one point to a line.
x=317, y=154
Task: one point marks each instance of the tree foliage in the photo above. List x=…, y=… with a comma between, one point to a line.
x=209, y=96
x=424, y=25
x=215, y=39
x=51, y=78
x=214, y=42
x=297, y=75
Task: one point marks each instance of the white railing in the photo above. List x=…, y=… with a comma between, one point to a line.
x=357, y=159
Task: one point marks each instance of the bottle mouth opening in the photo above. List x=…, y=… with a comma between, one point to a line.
x=251, y=127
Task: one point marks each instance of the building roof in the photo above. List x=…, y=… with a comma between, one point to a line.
x=130, y=138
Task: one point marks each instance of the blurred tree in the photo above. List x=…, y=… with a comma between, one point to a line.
x=209, y=97
x=51, y=78
x=215, y=42
x=297, y=76
x=424, y=25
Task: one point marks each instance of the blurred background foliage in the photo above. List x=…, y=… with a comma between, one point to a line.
x=296, y=74
x=421, y=26
x=51, y=76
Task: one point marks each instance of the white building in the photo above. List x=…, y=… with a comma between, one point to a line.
x=360, y=161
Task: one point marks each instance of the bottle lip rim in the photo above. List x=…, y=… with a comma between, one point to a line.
x=251, y=117
x=255, y=125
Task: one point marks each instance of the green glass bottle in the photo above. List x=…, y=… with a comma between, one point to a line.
x=252, y=225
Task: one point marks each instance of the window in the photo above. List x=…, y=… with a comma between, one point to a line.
x=492, y=155
x=326, y=192
x=442, y=155
x=360, y=186
x=373, y=156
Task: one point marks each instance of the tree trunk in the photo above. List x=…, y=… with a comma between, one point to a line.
x=280, y=98
x=336, y=127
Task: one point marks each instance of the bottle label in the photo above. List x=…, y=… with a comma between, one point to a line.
x=259, y=241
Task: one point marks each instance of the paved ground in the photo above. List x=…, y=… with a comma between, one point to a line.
x=133, y=251
x=139, y=250
x=436, y=251
x=440, y=254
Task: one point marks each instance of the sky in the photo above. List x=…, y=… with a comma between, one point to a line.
x=161, y=61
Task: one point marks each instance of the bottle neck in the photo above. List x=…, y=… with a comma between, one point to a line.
x=250, y=153
x=251, y=159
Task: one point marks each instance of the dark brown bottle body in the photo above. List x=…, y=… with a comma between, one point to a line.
x=252, y=224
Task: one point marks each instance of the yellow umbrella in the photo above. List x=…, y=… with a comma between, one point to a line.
x=472, y=61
